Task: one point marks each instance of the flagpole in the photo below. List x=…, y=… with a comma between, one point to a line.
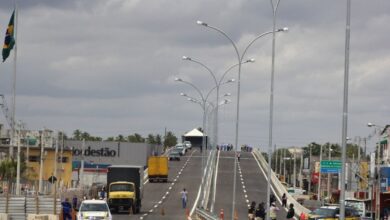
x=14, y=105
x=13, y=141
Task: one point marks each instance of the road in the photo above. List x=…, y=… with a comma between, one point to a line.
x=162, y=200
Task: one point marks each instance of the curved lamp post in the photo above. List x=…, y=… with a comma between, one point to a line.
x=218, y=83
x=202, y=103
x=240, y=58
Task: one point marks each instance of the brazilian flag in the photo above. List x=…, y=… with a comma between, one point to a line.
x=9, y=40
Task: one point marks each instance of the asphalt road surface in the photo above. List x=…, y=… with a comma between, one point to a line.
x=163, y=200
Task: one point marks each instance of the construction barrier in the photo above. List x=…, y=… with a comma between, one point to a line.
x=42, y=217
x=4, y=216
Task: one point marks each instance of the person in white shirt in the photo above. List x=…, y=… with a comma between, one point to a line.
x=184, y=198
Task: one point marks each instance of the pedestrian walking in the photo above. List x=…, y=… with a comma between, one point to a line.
x=273, y=210
x=184, y=198
x=284, y=200
x=66, y=210
x=102, y=194
x=74, y=201
x=291, y=212
x=260, y=212
x=251, y=211
x=238, y=156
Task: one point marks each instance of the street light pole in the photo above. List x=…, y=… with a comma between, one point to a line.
x=240, y=58
x=345, y=111
x=218, y=83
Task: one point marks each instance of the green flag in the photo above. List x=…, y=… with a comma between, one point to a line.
x=9, y=40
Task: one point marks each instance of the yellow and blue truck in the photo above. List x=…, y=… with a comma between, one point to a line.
x=125, y=188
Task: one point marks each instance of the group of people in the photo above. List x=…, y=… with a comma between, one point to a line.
x=259, y=213
x=225, y=147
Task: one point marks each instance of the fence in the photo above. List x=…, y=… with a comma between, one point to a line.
x=278, y=186
x=18, y=207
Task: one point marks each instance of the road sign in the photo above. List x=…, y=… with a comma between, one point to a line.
x=330, y=166
x=52, y=179
x=330, y=170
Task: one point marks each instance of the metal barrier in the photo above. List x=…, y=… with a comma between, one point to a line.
x=205, y=215
x=21, y=207
x=278, y=186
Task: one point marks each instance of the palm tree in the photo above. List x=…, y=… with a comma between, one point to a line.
x=77, y=134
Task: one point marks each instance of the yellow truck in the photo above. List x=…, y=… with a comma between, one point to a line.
x=158, y=169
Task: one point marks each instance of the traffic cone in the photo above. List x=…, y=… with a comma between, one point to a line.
x=130, y=211
x=187, y=213
x=162, y=211
x=221, y=215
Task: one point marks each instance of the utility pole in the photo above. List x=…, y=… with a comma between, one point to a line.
x=40, y=185
x=300, y=172
x=319, y=177
x=81, y=182
x=284, y=165
x=329, y=176
x=280, y=161
x=295, y=171
x=309, y=189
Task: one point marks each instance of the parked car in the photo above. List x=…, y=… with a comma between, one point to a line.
x=333, y=212
x=174, y=155
x=187, y=144
x=181, y=149
x=94, y=209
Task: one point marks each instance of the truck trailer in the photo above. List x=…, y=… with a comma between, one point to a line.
x=158, y=169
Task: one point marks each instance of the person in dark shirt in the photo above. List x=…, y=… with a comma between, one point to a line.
x=284, y=200
x=66, y=209
x=251, y=210
x=260, y=212
x=291, y=212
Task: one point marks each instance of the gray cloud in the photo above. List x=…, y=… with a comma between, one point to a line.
x=107, y=67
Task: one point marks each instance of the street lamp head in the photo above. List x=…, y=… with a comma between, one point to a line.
x=369, y=124
x=230, y=81
x=178, y=79
x=201, y=23
x=252, y=60
x=186, y=58
x=226, y=101
x=285, y=29
x=227, y=94
x=183, y=94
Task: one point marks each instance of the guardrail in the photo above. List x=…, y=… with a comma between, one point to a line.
x=278, y=187
x=205, y=215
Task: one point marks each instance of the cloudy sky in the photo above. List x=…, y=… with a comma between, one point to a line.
x=108, y=67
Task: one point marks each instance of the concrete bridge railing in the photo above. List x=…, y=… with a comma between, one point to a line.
x=278, y=188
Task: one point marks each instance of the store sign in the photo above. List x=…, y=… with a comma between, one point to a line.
x=102, y=152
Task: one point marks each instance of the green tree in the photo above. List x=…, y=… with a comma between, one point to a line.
x=120, y=138
x=110, y=139
x=151, y=139
x=136, y=138
x=8, y=170
x=77, y=135
x=170, y=139
x=158, y=139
